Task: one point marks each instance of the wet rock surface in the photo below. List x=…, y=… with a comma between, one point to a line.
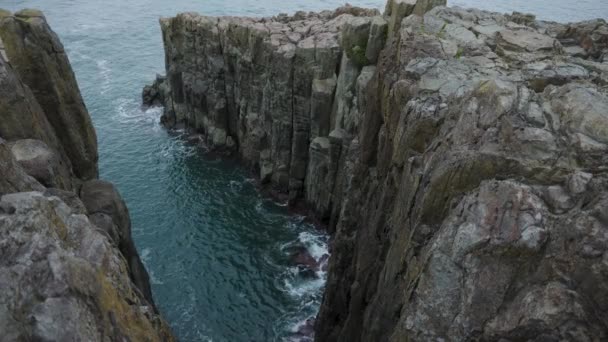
x=64, y=275
x=461, y=165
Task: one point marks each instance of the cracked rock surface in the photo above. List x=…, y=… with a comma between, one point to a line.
x=69, y=270
x=459, y=157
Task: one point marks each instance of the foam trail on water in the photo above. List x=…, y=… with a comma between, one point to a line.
x=104, y=73
x=147, y=260
x=305, y=281
x=316, y=244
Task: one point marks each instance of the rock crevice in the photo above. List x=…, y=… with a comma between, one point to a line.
x=458, y=155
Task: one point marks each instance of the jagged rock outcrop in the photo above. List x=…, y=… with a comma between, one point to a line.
x=262, y=86
x=461, y=167
x=461, y=222
x=69, y=270
x=36, y=53
x=63, y=280
x=108, y=211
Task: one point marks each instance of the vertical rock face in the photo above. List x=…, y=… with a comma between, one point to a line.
x=69, y=270
x=265, y=87
x=458, y=155
x=461, y=220
x=36, y=53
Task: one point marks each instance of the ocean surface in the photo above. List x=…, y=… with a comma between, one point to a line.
x=219, y=254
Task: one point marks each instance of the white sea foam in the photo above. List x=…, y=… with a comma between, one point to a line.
x=174, y=149
x=145, y=255
x=147, y=260
x=315, y=244
x=105, y=75
x=301, y=288
x=281, y=204
x=129, y=112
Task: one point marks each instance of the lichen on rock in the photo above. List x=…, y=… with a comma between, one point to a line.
x=460, y=163
x=63, y=275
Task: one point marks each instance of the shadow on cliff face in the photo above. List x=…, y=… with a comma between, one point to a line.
x=460, y=163
x=70, y=268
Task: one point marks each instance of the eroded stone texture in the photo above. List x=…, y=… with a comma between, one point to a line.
x=41, y=162
x=473, y=208
x=62, y=280
x=463, y=175
x=37, y=55
x=64, y=276
x=21, y=116
x=102, y=200
x=266, y=87
x=14, y=178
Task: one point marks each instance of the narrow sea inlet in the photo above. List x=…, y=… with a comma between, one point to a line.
x=223, y=259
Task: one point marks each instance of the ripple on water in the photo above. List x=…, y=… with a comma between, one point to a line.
x=216, y=251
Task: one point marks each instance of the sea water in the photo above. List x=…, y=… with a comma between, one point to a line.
x=220, y=255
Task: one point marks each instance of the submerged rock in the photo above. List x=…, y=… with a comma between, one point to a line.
x=461, y=165
x=304, y=331
x=309, y=265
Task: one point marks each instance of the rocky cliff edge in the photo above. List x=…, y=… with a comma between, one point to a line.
x=459, y=156
x=69, y=270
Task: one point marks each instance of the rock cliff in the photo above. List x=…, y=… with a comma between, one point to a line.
x=69, y=270
x=459, y=157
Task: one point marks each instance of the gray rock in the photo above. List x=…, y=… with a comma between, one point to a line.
x=378, y=33
x=69, y=198
x=275, y=95
x=577, y=184
x=157, y=93
x=100, y=197
x=13, y=176
x=322, y=100
x=462, y=176
x=20, y=113
x=468, y=186
x=355, y=36
x=61, y=280
x=526, y=45
x=40, y=60
x=396, y=10
x=40, y=162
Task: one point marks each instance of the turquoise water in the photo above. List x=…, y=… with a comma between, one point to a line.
x=217, y=252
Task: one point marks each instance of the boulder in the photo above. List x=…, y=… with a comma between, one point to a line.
x=13, y=177
x=40, y=162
